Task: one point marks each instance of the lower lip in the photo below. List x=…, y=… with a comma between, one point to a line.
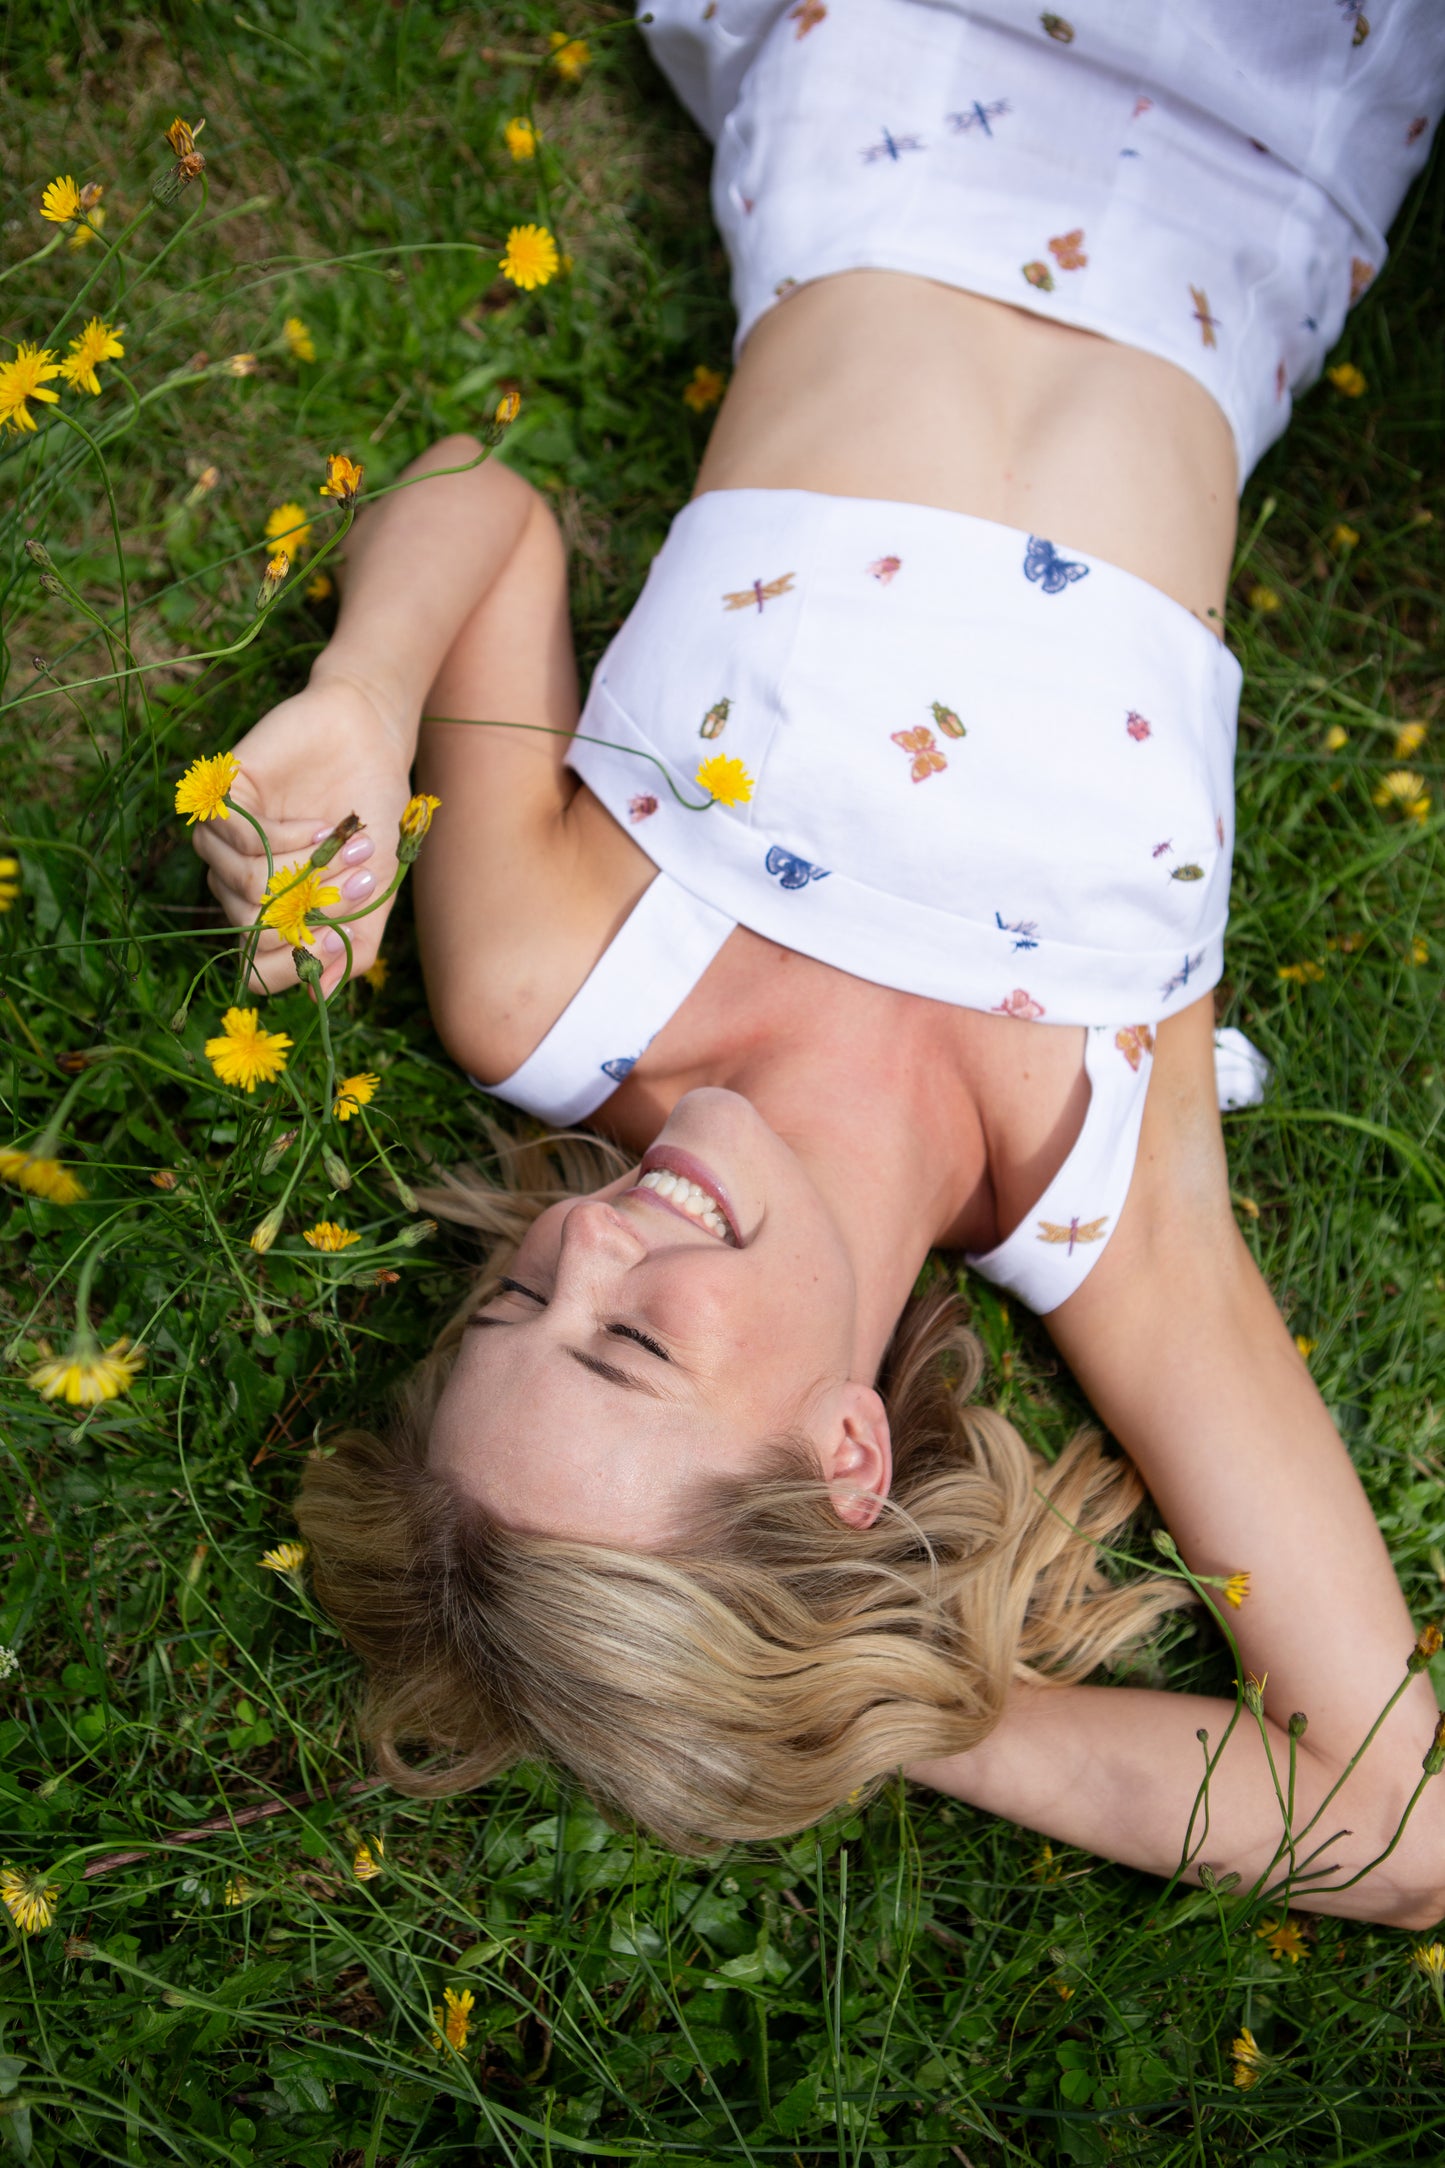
x=667, y=1159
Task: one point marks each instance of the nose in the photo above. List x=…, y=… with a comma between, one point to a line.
x=595, y=1236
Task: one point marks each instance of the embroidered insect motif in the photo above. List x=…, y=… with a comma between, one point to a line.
x=622, y=1065
x=1187, y=872
x=1076, y=1232
x=1361, y=274
x=1160, y=848
x=1025, y=930
x=1060, y=31
x=807, y=17
x=760, y=592
x=1219, y=829
x=1183, y=975
x=892, y=148
x=946, y=720
x=1134, y=1042
x=709, y=11
x=1138, y=726
x=1020, y=1004
x=920, y=743
x=1353, y=12
x=978, y=116
x=641, y=807
x=1038, y=274
x=1417, y=128
x=1208, y=324
x=790, y=870
x=1281, y=379
x=1043, y=564
x=883, y=569
x=1067, y=250
x=1142, y=105
x=712, y=723
x=783, y=288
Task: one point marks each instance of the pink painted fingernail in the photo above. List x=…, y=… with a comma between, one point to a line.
x=330, y=942
x=360, y=884
x=358, y=848
x=321, y=835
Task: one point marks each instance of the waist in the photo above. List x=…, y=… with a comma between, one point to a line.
x=876, y=384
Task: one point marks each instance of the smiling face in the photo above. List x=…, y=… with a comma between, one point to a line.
x=656, y=1333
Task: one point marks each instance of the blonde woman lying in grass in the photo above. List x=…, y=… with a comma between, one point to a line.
x=692, y=1501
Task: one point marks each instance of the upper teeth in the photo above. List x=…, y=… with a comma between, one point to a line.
x=688, y=1198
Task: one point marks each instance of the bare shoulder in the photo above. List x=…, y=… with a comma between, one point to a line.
x=524, y=879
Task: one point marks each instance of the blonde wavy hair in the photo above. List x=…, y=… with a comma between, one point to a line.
x=776, y=1663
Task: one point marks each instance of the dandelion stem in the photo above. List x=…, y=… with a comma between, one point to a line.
x=582, y=737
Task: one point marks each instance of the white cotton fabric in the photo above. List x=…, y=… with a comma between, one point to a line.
x=1209, y=180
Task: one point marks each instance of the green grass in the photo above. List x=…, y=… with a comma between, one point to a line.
x=891, y=1988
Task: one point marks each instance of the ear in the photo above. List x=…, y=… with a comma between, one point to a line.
x=858, y=1455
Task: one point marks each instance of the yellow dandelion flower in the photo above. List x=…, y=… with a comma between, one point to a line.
x=1305, y=974
x=9, y=882
x=318, y=587
x=1236, y=1588
x=1404, y=789
x=1348, y=379
x=298, y=339
x=42, y=1176
x=61, y=201
x=416, y=814
x=26, y=377
x=725, y=779
x=201, y=791
x=1046, y=1868
x=530, y=258
x=238, y=1890
x=1262, y=598
x=1345, y=537
x=327, y=1235
x=1409, y=738
x=366, y=1864
x=521, y=139
x=1429, y=1957
x=1336, y=738
x=28, y=1898
x=377, y=974
x=291, y=895
x=353, y=1092
x=343, y=477
x=452, y=2017
x=88, y=228
x=509, y=406
x=1419, y=950
x=1306, y=1347
x=1282, y=1939
x=704, y=388
x=289, y=524
x=86, y=1376
x=1247, y=2058
x=570, y=56
x=96, y=343
x=243, y=1053
x=287, y=1557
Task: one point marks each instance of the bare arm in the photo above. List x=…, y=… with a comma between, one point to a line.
x=1177, y=1341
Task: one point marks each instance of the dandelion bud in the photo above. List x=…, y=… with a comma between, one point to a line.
x=91, y=194
x=38, y=553
x=260, y=1324
x=178, y=1021
x=165, y=1178
x=308, y=966
x=1254, y=1693
x=423, y=1230
x=51, y=584
x=273, y=580
x=40, y=664
x=1208, y=1879
x=416, y=819
x=241, y=365
x=384, y=1276
x=1298, y=1724
x=404, y=1191
x=328, y=847
x=277, y=1149
x=1434, y=1761
x=266, y=1230
x=337, y=1171
x=1430, y=1643
x=509, y=406
x=1165, y=1543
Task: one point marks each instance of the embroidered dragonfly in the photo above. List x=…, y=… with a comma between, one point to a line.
x=978, y=116
x=1076, y=1232
x=1026, y=930
x=892, y=147
x=1160, y=848
x=1183, y=975
x=1042, y=563
x=1208, y=324
x=792, y=871
x=760, y=592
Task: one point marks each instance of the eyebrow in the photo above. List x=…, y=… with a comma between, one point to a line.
x=608, y=1371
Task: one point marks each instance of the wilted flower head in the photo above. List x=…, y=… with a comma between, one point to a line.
x=366, y=1864
x=86, y=1376
x=28, y=1898
x=343, y=477
x=287, y=1557
x=41, y=1175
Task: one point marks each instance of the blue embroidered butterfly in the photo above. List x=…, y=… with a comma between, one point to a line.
x=1042, y=562
x=792, y=871
x=1024, y=929
x=621, y=1065
x=1183, y=975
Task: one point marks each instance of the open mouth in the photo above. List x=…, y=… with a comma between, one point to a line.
x=683, y=1184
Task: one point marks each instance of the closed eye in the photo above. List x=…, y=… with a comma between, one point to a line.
x=623, y=1332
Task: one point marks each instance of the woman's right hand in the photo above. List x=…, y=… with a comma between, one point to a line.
x=318, y=756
